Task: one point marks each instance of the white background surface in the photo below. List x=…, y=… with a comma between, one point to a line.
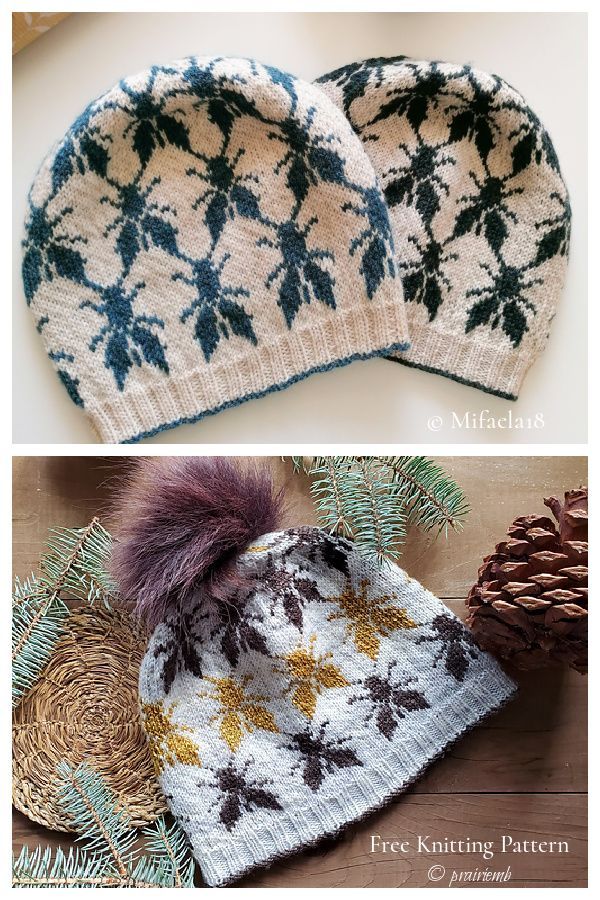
x=543, y=55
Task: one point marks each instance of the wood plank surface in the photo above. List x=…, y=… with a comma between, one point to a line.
x=348, y=862
x=523, y=772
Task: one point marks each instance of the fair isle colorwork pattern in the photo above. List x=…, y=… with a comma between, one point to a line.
x=316, y=700
x=480, y=213
x=206, y=232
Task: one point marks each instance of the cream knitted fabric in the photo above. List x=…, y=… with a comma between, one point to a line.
x=480, y=213
x=322, y=696
x=206, y=232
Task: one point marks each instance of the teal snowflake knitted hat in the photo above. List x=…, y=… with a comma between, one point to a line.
x=206, y=232
x=480, y=213
x=292, y=684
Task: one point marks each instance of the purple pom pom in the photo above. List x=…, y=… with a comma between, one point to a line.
x=182, y=522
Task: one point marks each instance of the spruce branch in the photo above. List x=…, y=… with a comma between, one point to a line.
x=110, y=857
x=432, y=499
x=379, y=522
x=326, y=490
x=373, y=499
x=37, y=624
x=73, y=566
x=40, y=868
x=75, y=563
x=168, y=847
x=96, y=814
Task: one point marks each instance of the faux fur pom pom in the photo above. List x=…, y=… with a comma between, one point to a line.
x=181, y=523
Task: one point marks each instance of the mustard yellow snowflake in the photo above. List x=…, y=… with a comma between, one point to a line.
x=167, y=741
x=309, y=675
x=238, y=710
x=370, y=617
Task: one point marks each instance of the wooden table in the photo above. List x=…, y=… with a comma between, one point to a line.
x=522, y=774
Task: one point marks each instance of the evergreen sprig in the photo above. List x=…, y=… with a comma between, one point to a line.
x=37, y=624
x=111, y=857
x=74, y=566
x=372, y=499
x=43, y=869
x=75, y=562
x=433, y=500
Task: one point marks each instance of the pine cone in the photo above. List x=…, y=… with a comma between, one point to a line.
x=530, y=603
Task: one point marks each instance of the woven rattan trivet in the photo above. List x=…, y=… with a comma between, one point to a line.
x=85, y=705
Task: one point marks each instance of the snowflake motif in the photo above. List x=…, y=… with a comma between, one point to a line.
x=319, y=546
x=49, y=251
x=309, y=158
x=502, y=303
x=150, y=125
x=178, y=649
x=239, y=794
x=140, y=223
x=238, y=633
x=224, y=104
x=214, y=307
x=376, y=239
x=533, y=144
x=355, y=77
x=238, y=711
x=84, y=150
x=199, y=81
x=167, y=740
x=310, y=675
x=557, y=232
x=417, y=101
x=303, y=278
x=128, y=338
x=291, y=590
x=418, y=182
x=227, y=192
x=457, y=646
x=320, y=756
x=369, y=617
x=390, y=702
x=424, y=280
x=473, y=118
x=487, y=211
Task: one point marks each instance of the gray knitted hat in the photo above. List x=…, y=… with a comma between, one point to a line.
x=293, y=688
x=480, y=213
x=206, y=232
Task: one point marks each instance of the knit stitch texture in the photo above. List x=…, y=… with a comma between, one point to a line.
x=316, y=700
x=206, y=232
x=480, y=213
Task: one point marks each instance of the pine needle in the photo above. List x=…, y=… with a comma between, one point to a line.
x=75, y=563
x=432, y=499
x=73, y=566
x=97, y=815
x=37, y=624
x=109, y=858
x=372, y=499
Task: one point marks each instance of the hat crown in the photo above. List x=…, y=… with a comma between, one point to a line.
x=322, y=693
x=207, y=231
x=479, y=211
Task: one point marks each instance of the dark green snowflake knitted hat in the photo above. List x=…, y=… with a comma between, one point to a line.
x=206, y=232
x=480, y=213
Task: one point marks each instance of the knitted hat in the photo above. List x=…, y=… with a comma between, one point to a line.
x=292, y=684
x=480, y=213
x=206, y=232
